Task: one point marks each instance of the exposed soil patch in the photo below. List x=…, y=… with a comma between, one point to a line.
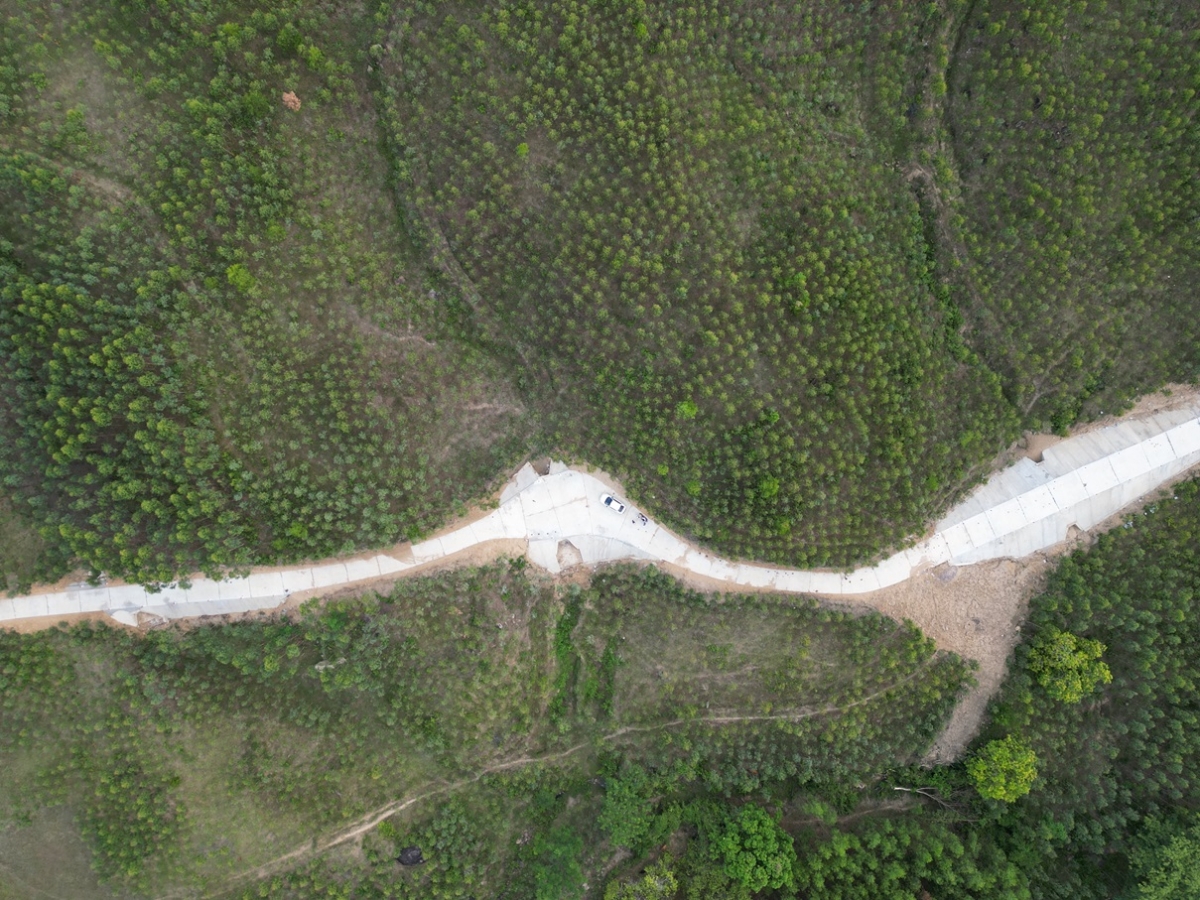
x=363, y=323
x=569, y=555
x=1037, y=444
x=978, y=615
x=974, y=611
x=41, y=623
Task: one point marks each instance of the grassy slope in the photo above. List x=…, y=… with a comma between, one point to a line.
x=254, y=750
x=21, y=548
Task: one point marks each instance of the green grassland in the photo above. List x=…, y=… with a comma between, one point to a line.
x=185, y=758
x=21, y=549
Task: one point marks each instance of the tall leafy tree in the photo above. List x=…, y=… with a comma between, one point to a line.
x=755, y=850
x=1067, y=666
x=1004, y=770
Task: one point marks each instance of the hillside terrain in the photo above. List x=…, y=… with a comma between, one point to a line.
x=1076, y=145
x=540, y=739
x=286, y=280
x=795, y=275
x=218, y=345
x=719, y=279
x=298, y=728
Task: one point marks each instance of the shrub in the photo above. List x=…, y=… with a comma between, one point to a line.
x=239, y=276
x=289, y=39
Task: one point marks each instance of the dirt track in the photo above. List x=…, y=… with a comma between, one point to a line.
x=360, y=826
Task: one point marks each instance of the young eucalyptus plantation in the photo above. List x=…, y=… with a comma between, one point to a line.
x=284, y=280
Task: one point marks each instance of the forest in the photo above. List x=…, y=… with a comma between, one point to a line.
x=282, y=280
x=217, y=344
x=1075, y=136
x=741, y=293
x=494, y=700
x=622, y=738
x=285, y=280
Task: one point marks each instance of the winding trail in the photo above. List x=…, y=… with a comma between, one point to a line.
x=965, y=585
x=363, y=824
x=559, y=520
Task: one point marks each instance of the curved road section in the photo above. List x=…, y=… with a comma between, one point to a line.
x=1027, y=507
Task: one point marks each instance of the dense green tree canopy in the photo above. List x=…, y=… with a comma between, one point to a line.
x=1074, y=134
x=708, y=253
x=1106, y=767
x=1003, y=770
x=556, y=869
x=1168, y=862
x=1067, y=666
x=906, y=859
x=755, y=851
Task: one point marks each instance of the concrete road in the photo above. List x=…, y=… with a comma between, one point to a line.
x=1020, y=510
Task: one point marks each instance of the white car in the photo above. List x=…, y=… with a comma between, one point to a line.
x=612, y=503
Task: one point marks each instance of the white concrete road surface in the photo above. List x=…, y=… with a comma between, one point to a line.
x=1020, y=510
